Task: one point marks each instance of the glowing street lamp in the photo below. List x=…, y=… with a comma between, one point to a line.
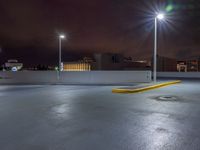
x=61, y=36
x=159, y=16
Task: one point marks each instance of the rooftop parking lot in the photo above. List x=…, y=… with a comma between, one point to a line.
x=61, y=117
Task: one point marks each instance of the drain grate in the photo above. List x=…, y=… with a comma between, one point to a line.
x=167, y=98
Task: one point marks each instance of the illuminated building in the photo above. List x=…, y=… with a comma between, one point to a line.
x=76, y=66
x=13, y=64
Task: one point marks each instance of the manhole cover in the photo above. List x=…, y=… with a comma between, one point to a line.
x=167, y=98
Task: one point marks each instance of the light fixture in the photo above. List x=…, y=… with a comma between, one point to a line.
x=62, y=36
x=160, y=16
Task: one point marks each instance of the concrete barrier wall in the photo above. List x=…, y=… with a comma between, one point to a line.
x=178, y=74
x=83, y=77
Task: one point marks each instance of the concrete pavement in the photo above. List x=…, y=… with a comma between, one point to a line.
x=59, y=117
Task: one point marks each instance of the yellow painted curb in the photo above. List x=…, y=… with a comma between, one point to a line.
x=137, y=90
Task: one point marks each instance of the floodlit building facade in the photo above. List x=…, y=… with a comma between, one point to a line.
x=76, y=66
x=13, y=64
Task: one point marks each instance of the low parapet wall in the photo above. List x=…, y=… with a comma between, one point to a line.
x=189, y=75
x=73, y=77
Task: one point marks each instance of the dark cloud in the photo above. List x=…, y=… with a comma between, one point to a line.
x=96, y=25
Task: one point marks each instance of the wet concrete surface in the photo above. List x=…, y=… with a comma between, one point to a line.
x=58, y=117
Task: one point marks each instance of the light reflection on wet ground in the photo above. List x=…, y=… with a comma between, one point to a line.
x=92, y=117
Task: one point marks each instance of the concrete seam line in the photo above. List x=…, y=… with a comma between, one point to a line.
x=137, y=90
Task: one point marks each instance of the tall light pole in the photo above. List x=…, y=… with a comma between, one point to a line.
x=159, y=16
x=61, y=36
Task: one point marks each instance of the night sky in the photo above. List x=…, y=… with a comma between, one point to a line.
x=29, y=28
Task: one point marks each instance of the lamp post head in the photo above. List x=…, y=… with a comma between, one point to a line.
x=61, y=36
x=160, y=16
